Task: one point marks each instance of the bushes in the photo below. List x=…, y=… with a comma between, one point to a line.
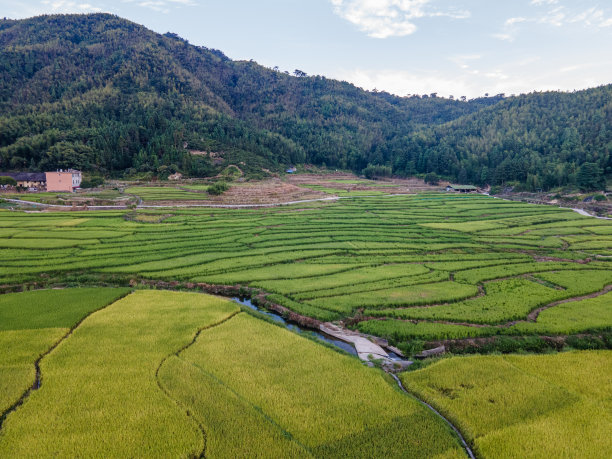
x=92, y=182
x=376, y=170
x=218, y=188
x=7, y=181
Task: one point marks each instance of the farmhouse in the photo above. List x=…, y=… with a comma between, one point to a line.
x=67, y=180
x=462, y=188
x=35, y=180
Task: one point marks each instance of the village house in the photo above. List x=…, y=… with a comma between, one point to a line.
x=61, y=180
x=29, y=180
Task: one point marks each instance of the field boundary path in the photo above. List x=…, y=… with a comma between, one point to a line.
x=177, y=354
x=220, y=206
x=38, y=373
x=464, y=443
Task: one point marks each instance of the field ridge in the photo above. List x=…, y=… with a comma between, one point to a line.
x=38, y=374
x=167, y=393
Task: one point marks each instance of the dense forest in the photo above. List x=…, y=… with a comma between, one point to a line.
x=108, y=96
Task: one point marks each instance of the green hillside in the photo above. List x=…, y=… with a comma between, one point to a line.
x=103, y=94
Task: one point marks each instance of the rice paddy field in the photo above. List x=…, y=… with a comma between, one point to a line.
x=189, y=374
x=173, y=374
x=428, y=266
x=525, y=406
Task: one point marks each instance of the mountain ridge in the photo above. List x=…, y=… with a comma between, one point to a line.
x=107, y=95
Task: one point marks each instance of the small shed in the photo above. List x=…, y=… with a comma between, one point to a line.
x=462, y=188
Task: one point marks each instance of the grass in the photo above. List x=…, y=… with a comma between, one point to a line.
x=555, y=405
x=100, y=395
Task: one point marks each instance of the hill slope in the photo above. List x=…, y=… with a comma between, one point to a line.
x=104, y=94
x=100, y=92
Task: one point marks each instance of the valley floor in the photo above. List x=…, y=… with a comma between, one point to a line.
x=96, y=371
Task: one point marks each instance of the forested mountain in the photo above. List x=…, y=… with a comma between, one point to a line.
x=539, y=139
x=103, y=94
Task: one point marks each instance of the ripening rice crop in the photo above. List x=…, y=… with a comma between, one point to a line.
x=100, y=395
x=31, y=323
x=529, y=406
x=287, y=396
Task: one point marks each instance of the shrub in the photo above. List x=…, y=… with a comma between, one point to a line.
x=92, y=182
x=218, y=188
x=4, y=180
x=432, y=178
x=376, y=170
x=585, y=342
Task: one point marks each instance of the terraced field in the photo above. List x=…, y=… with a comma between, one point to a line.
x=181, y=374
x=429, y=266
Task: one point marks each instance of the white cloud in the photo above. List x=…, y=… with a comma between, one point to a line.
x=161, y=6
x=68, y=6
x=559, y=15
x=467, y=82
x=155, y=5
x=606, y=23
x=389, y=18
x=544, y=2
x=513, y=21
x=555, y=15
x=474, y=77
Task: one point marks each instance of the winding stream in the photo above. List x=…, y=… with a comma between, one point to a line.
x=296, y=328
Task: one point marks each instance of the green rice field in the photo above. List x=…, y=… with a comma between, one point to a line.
x=429, y=266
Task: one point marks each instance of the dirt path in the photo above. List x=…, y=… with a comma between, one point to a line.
x=219, y=206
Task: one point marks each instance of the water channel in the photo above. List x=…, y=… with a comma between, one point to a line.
x=347, y=347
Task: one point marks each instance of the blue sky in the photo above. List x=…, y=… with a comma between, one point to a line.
x=460, y=47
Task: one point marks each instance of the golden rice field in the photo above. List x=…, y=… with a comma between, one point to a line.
x=131, y=381
x=525, y=406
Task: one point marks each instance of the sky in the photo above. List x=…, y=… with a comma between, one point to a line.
x=450, y=47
